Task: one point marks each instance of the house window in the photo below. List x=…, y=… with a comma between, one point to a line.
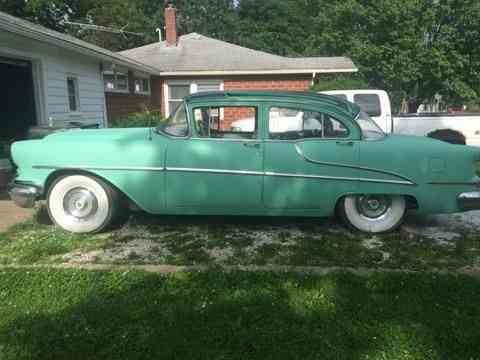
x=176, y=93
x=72, y=89
x=177, y=90
x=142, y=85
x=116, y=81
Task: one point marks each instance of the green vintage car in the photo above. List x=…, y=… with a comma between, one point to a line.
x=300, y=154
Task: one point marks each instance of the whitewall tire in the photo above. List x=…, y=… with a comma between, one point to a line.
x=373, y=213
x=82, y=204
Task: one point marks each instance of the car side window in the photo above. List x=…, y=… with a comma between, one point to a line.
x=177, y=124
x=226, y=122
x=293, y=124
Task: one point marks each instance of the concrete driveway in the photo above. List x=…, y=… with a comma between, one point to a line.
x=10, y=214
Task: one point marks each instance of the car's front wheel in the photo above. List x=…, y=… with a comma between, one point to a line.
x=373, y=213
x=82, y=204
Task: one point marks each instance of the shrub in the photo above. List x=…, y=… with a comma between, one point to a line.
x=142, y=119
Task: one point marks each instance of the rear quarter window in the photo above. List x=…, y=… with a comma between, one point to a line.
x=370, y=103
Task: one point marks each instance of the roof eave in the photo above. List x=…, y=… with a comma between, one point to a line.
x=257, y=72
x=49, y=39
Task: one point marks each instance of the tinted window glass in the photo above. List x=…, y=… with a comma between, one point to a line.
x=292, y=124
x=229, y=122
x=369, y=103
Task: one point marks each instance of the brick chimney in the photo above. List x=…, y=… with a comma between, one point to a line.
x=171, y=25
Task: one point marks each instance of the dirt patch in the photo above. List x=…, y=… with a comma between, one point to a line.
x=10, y=214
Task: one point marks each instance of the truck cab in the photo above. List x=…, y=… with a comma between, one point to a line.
x=376, y=103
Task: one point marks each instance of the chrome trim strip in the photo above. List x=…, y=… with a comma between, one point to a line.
x=477, y=184
x=306, y=176
x=233, y=172
x=216, y=171
x=304, y=157
x=124, y=168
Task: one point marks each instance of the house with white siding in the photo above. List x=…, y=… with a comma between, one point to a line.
x=53, y=79
x=49, y=79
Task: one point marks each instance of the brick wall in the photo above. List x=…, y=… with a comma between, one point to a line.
x=121, y=105
x=284, y=83
x=157, y=97
x=232, y=114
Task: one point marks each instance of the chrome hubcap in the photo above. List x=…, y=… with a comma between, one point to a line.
x=373, y=206
x=80, y=203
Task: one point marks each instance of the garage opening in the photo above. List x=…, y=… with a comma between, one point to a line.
x=17, y=107
x=17, y=103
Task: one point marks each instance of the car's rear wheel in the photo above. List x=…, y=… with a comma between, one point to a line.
x=373, y=213
x=83, y=204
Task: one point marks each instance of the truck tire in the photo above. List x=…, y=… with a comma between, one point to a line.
x=449, y=136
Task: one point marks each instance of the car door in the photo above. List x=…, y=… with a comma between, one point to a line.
x=310, y=158
x=218, y=166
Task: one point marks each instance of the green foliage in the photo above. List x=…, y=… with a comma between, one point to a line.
x=74, y=314
x=143, y=119
x=412, y=48
x=340, y=82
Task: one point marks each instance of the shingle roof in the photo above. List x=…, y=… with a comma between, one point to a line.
x=33, y=31
x=196, y=53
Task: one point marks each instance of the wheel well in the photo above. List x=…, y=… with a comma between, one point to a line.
x=59, y=173
x=448, y=135
x=412, y=202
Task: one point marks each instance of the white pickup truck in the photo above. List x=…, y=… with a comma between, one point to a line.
x=376, y=103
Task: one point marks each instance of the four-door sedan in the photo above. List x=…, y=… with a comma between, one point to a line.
x=302, y=154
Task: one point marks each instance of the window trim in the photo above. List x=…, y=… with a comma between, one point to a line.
x=299, y=108
x=141, y=77
x=76, y=95
x=115, y=89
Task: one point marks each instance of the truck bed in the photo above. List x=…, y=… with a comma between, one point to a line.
x=423, y=124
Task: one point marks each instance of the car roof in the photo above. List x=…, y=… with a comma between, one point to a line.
x=301, y=96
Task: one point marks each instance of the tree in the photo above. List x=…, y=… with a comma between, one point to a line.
x=412, y=47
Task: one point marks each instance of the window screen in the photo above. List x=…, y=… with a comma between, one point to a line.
x=293, y=124
x=370, y=103
x=231, y=122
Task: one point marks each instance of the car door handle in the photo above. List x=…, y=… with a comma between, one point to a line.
x=345, y=143
x=251, y=144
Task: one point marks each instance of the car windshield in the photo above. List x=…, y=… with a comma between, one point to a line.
x=176, y=124
x=370, y=129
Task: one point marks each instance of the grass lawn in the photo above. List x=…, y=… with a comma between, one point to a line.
x=74, y=314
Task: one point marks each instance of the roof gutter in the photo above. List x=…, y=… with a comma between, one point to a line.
x=257, y=72
x=97, y=52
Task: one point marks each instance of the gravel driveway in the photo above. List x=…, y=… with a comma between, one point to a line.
x=445, y=241
x=10, y=214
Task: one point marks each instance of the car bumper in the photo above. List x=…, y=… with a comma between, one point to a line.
x=469, y=201
x=24, y=195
